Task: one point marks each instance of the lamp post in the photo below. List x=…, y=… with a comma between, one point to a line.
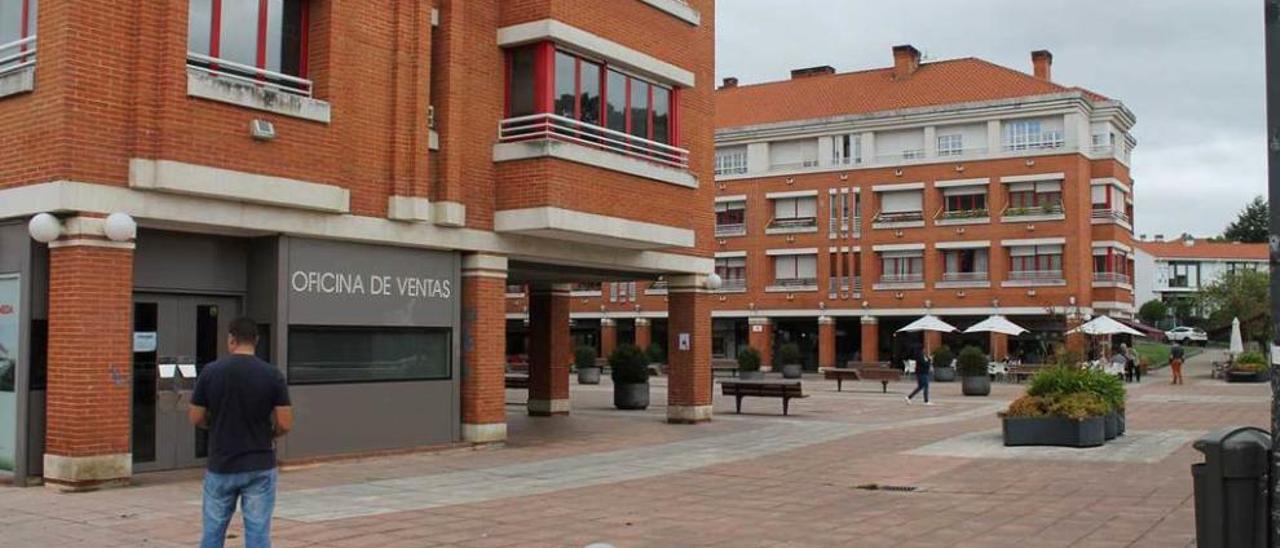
x=1271, y=23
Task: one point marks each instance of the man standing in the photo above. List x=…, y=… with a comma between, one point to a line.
x=1175, y=361
x=244, y=403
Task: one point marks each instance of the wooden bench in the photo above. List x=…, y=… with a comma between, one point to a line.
x=720, y=365
x=785, y=390
x=518, y=380
x=881, y=373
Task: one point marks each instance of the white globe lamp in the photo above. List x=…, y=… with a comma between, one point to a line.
x=44, y=228
x=714, y=282
x=120, y=227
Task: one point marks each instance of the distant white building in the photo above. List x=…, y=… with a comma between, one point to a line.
x=1177, y=269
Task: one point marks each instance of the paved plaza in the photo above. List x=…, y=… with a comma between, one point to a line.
x=854, y=468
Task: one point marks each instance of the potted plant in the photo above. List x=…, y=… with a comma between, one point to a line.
x=1248, y=367
x=657, y=357
x=1066, y=406
x=942, y=369
x=789, y=357
x=749, y=364
x=972, y=364
x=630, y=372
x=584, y=360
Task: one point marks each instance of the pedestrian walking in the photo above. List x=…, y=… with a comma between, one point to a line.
x=243, y=402
x=1175, y=362
x=1132, y=364
x=1118, y=362
x=923, y=374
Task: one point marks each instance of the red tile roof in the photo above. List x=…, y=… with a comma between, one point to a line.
x=938, y=83
x=1204, y=249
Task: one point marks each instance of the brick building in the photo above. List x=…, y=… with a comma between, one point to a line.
x=362, y=178
x=848, y=205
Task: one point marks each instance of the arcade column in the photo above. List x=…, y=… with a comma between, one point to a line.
x=644, y=333
x=689, y=349
x=484, y=342
x=760, y=337
x=826, y=341
x=870, y=339
x=550, y=350
x=608, y=336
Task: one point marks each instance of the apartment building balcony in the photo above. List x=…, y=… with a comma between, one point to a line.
x=733, y=285
x=657, y=287
x=1110, y=151
x=1111, y=279
x=844, y=286
x=1105, y=216
x=1034, y=278
x=791, y=285
x=837, y=226
x=900, y=219
x=1047, y=212
x=961, y=217
x=792, y=225
x=17, y=66
x=1047, y=140
x=889, y=282
x=731, y=229
x=963, y=280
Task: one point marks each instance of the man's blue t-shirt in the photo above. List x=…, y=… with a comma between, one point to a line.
x=241, y=393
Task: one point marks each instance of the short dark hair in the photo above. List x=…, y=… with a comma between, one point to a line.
x=244, y=330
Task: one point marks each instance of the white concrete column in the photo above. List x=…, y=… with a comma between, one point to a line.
x=757, y=157
x=868, y=147
x=993, y=137
x=930, y=141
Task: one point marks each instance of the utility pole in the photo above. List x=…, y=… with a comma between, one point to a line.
x=1271, y=15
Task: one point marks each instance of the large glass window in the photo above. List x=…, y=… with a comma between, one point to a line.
x=235, y=37
x=733, y=271
x=950, y=145
x=1043, y=195
x=901, y=266
x=17, y=28
x=972, y=262
x=731, y=160
x=731, y=217
x=795, y=269
x=319, y=355
x=10, y=308
x=616, y=101
x=1035, y=261
x=566, y=83
x=520, y=83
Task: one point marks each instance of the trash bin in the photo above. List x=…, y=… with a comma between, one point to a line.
x=1231, y=488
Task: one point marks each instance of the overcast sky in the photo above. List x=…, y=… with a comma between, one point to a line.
x=1191, y=70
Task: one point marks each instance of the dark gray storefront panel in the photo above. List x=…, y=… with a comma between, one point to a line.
x=326, y=283
x=190, y=263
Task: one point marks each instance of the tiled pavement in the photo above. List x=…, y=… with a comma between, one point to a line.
x=752, y=480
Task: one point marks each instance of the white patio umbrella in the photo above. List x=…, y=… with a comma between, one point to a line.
x=928, y=322
x=1105, y=325
x=1237, y=343
x=996, y=324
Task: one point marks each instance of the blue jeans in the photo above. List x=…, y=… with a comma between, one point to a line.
x=256, y=492
x=922, y=383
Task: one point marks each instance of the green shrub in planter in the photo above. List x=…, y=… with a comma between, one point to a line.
x=749, y=359
x=656, y=354
x=788, y=354
x=584, y=356
x=972, y=362
x=1061, y=381
x=942, y=356
x=629, y=365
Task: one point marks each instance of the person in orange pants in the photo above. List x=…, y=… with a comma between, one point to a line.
x=1175, y=362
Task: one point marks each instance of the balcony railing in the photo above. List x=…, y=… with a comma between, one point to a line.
x=558, y=128
x=957, y=214
x=1046, y=209
x=24, y=57
x=1046, y=140
x=795, y=282
x=964, y=276
x=794, y=223
x=901, y=278
x=954, y=152
x=1035, y=275
x=731, y=229
x=791, y=166
x=658, y=286
x=844, y=284
x=245, y=74
x=1112, y=277
x=899, y=217
x=1111, y=215
x=733, y=284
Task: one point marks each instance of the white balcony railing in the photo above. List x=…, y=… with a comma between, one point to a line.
x=794, y=223
x=245, y=74
x=795, y=282
x=1045, y=140
x=1035, y=275
x=1111, y=277
x=901, y=278
x=731, y=229
x=792, y=166
x=733, y=284
x=1111, y=215
x=964, y=276
x=899, y=217
x=844, y=284
x=17, y=55
x=558, y=128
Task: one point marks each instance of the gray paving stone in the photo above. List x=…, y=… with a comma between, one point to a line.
x=1135, y=446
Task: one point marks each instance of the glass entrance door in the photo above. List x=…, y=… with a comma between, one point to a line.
x=175, y=336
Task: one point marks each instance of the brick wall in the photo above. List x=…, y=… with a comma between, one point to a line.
x=483, y=359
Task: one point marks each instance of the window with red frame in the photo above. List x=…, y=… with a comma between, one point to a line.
x=236, y=36
x=1036, y=258
x=966, y=202
x=589, y=91
x=901, y=265
x=1039, y=194
x=17, y=23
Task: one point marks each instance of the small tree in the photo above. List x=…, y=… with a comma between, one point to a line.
x=1243, y=294
x=628, y=365
x=749, y=359
x=789, y=354
x=656, y=354
x=942, y=356
x=1153, y=311
x=972, y=362
x=1251, y=224
x=584, y=356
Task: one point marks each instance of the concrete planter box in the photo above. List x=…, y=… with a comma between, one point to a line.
x=976, y=386
x=588, y=375
x=631, y=396
x=1246, y=376
x=1090, y=432
x=1111, y=426
x=791, y=371
x=751, y=375
x=944, y=374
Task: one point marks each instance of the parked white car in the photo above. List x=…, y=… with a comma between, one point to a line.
x=1187, y=335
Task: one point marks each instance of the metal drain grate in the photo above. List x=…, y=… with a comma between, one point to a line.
x=878, y=487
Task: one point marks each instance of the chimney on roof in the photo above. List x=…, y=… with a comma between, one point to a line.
x=1188, y=240
x=730, y=82
x=1158, y=238
x=810, y=72
x=1042, y=63
x=1142, y=237
x=906, y=59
